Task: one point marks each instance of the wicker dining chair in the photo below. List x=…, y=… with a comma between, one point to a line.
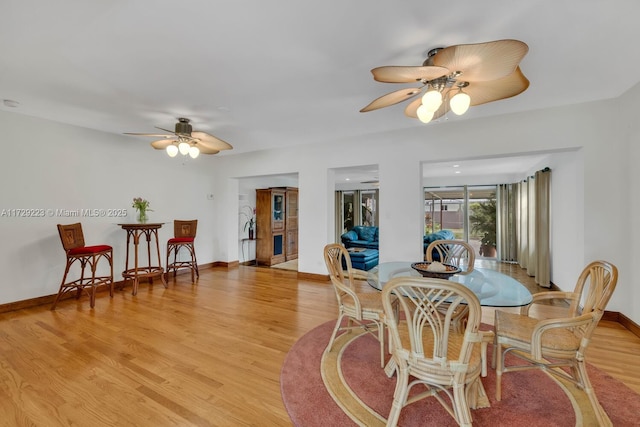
x=462, y=255
x=362, y=309
x=73, y=243
x=551, y=344
x=184, y=234
x=428, y=351
x=452, y=252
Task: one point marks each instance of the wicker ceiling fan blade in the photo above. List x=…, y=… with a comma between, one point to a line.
x=159, y=135
x=162, y=143
x=399, y=74
x=166, y=130
x=495, y=90
x=392, y=98
x=482, y=61
x=205, y=149
x=412, y=108
x=210, y=142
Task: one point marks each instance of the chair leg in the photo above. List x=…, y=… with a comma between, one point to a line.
x=83, y=263
x=193, y=279
x=399, y=396
x=94, y=288
x=335, y=332
x=580, y=373
x=62, y=284
x=174, y=264
x=381, y=339
x=488, y=336
x=194, y=264
x=461, y=406
x=498, y=360
x=111, y=285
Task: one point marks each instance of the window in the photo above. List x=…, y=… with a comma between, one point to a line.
x=468, y=211
x=355, y=207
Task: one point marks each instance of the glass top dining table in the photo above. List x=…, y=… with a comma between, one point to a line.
x=493, y=289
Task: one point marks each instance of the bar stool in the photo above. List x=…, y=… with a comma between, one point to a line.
x=74, y=246
x=184, y=234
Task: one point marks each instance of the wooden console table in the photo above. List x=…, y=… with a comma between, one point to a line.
x=149, y=271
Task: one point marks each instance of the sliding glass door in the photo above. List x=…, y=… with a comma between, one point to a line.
x=468, y=211
x=355, y=207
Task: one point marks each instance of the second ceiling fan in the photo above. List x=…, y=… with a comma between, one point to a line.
x=454, y=78
x=185, y=140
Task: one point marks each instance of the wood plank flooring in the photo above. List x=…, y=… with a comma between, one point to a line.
x=205, y=354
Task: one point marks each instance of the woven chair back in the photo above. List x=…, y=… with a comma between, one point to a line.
x=453, y=252
x=71, y=236
x=182, y=228
x=595, y=285
x=425, y=334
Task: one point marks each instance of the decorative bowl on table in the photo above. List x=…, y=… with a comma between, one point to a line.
x=435, y=269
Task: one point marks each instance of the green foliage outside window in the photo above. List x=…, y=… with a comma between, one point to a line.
x=482, y=218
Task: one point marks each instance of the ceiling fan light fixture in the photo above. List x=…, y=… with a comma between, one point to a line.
x=460, y=102
x=424, y=115
x=172, y=150
x=432, y=100
x=183, y=147
x=491, y=67
x=185, y=140
x=194, y=152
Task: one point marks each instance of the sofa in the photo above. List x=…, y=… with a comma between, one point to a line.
x=438, y=235
x=361, y=236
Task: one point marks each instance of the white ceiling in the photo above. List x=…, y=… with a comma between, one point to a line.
x=265, y=74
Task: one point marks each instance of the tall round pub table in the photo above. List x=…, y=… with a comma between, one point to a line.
x=149, y=232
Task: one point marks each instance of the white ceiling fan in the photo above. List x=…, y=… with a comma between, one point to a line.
x=185, y=140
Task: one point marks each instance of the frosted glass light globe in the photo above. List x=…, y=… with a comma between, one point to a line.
x=184, y=148
x=432, y=100
x=194, y=152
x=424, y=115
x=460, y=103
x=172, y=150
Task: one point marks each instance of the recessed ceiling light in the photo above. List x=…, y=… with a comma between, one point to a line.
x=456, y=166
x=457, y=171
x=11, y=103
x=347, y=179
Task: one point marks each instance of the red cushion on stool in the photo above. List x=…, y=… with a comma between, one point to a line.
x=181, y=240
x=87, y=250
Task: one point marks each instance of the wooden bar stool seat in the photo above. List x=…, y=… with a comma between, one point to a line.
x=73, y=243
x=184, y=234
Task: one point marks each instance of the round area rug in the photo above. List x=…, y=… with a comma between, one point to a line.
x=348, y=387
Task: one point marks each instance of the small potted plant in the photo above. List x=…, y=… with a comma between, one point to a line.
x=250, y=224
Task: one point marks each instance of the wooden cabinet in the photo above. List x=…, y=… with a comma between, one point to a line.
x=291, y=224
x=276, y=225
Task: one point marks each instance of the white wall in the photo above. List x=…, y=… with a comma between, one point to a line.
x=46, y=165
x=588, y=157
x=592, y=200
x=628, y=212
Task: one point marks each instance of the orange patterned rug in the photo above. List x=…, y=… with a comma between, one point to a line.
x=348, y=387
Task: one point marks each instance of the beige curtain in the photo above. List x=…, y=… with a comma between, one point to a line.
x=523, y=224
x=542, y=253
x=533, y=226
x=507, y=223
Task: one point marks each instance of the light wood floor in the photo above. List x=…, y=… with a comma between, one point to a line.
x=208, y=354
